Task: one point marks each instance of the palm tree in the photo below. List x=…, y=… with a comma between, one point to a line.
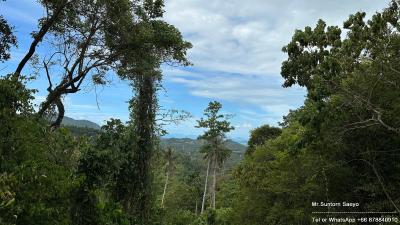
x=169, y=167
x=217, y=125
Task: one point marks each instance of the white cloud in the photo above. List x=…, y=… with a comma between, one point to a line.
x=236, y=54
x=243, y=125
x=264, y=93
x=237, y=48
x=18, y=12
x=98, y=114
x=71, y=105
x=247, y=36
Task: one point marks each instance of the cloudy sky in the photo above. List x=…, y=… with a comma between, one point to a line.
x=236, y=56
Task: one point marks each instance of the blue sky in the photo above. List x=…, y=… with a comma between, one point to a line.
x=236, y=55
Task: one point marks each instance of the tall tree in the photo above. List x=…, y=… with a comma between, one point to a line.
x=217, y=125
x=81, y=47
x=339, y=145
x=164, y=44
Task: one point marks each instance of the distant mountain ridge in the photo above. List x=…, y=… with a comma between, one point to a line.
x=68, y=121
x=188, y=144
x=240, y=140
x=192, y=147
x=185, y=144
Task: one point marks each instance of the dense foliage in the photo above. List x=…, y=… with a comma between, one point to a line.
x=7, y=39
x=260, y=135
x=341, y=145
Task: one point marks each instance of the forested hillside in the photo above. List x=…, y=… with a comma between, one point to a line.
x=183, y=146
x=67, y=121
x=192, y=148
x=341, y=146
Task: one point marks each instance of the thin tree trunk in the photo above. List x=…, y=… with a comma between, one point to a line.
x=205, y=187
x=196, y=208
x=165, y=190
x=214, y=183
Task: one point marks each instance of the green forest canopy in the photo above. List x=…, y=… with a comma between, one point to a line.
x=341, y=145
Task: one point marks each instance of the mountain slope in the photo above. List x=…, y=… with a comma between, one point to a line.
x=185, y=146
x=192, y=147
x=68, y=121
